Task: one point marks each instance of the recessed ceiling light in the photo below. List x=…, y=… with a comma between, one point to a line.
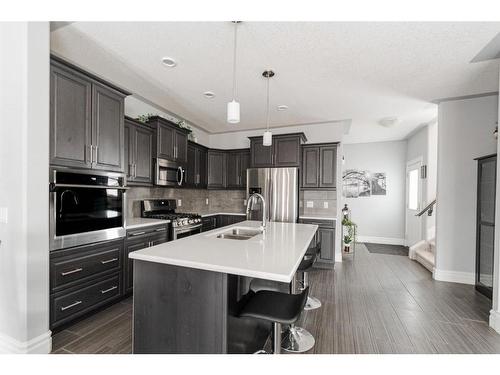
x=209, y=94
x=282, y=107
x=388, y=122
x=168, y=61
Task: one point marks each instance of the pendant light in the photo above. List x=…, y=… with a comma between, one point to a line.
x=233, y=107
x=268, y=135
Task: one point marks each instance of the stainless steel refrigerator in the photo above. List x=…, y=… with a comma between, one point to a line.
x=280, y=189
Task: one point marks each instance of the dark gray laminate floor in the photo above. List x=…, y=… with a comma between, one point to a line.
x=374, y=303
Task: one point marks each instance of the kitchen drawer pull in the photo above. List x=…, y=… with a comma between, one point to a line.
x=160, y=229
x=70, y=306
x=137, y=234
x=108, y=290
x=109, y=261
x=71, y=272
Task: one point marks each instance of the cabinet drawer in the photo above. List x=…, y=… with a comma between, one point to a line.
x=80, y=300
x=81, y=264
x=147, y=231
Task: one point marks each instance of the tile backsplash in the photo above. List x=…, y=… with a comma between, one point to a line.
x=318, y=202
x=192, y=200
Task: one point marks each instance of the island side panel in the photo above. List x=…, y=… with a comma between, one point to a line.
x=179, y=309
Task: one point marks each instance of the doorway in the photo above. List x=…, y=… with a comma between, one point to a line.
x=413, y=201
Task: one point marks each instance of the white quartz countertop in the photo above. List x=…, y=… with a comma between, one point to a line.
x=139, y=222
x=275, y=255
x=224, y=213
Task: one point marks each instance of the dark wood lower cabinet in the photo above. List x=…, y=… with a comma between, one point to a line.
x=219, y=221
x=85, y=278
x=138, y=239
x=325, y=234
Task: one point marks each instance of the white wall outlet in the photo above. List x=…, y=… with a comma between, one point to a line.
x=244, y=202
x=179, y=202
x=325, y=204
x=309, y=204
x=3, y=215
x=206, y=201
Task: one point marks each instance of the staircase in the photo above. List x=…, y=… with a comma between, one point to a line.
x=424, y=252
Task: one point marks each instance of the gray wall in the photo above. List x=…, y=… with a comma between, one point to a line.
x=417, y=147
x=379, y=218
x=465, y=132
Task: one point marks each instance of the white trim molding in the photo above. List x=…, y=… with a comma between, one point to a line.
x=39, y=345
x=495, y=320
x=338, y=257
x=381, y=240
x=454, y=276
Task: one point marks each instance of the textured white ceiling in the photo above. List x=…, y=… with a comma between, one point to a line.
x=325, y=72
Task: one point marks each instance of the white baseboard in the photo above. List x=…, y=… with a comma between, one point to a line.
x=38, y=345
x=495, y=320
x=381, y=240
x=454, y=276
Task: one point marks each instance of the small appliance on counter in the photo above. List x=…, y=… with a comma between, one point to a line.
x=183, y=224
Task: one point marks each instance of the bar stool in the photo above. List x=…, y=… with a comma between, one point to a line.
x=276, y=307
x=305, y=266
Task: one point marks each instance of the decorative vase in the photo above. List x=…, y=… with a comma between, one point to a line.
x=347, y=248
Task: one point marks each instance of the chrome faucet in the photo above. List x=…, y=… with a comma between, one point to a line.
x=253, y=197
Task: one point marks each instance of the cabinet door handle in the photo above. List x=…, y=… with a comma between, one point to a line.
x=71, y=272
x=70, y=306
x=109, y=261
x=137, y=234
x=109, y=289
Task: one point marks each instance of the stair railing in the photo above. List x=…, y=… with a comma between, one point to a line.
x=429, y=209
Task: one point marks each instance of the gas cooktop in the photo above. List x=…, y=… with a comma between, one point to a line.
x=165, y=209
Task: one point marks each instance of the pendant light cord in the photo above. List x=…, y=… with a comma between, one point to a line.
x=267, y=111
x=234, y=58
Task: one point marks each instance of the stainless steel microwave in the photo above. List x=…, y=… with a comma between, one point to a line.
x=168, y=173
x=85, y=206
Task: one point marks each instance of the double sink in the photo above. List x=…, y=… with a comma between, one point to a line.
x=240, y=233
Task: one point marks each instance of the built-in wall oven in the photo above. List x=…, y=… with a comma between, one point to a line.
x=168, y=173
x=86, y=206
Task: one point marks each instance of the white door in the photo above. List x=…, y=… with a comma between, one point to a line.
x=413, y=202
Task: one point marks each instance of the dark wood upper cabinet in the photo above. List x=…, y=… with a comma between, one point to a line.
x=310, y=167
x=260, y=156
x=86, y=120
x=284, y=152
x=236, y=165
x=196, y=167
x=287, y=150
x=319, y=166
x=244, y=165
x=216, y=169
x=171, y=141
x=328, y=167
x=107, y=128
x=181, y=139
x=138, y=153
x=191, y=172
x=70, y=118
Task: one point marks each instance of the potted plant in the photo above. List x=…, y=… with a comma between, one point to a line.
x=349, y=235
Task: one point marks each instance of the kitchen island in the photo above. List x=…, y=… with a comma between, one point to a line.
x=187, y=293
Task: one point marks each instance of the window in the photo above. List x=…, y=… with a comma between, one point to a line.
x=413, y=187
